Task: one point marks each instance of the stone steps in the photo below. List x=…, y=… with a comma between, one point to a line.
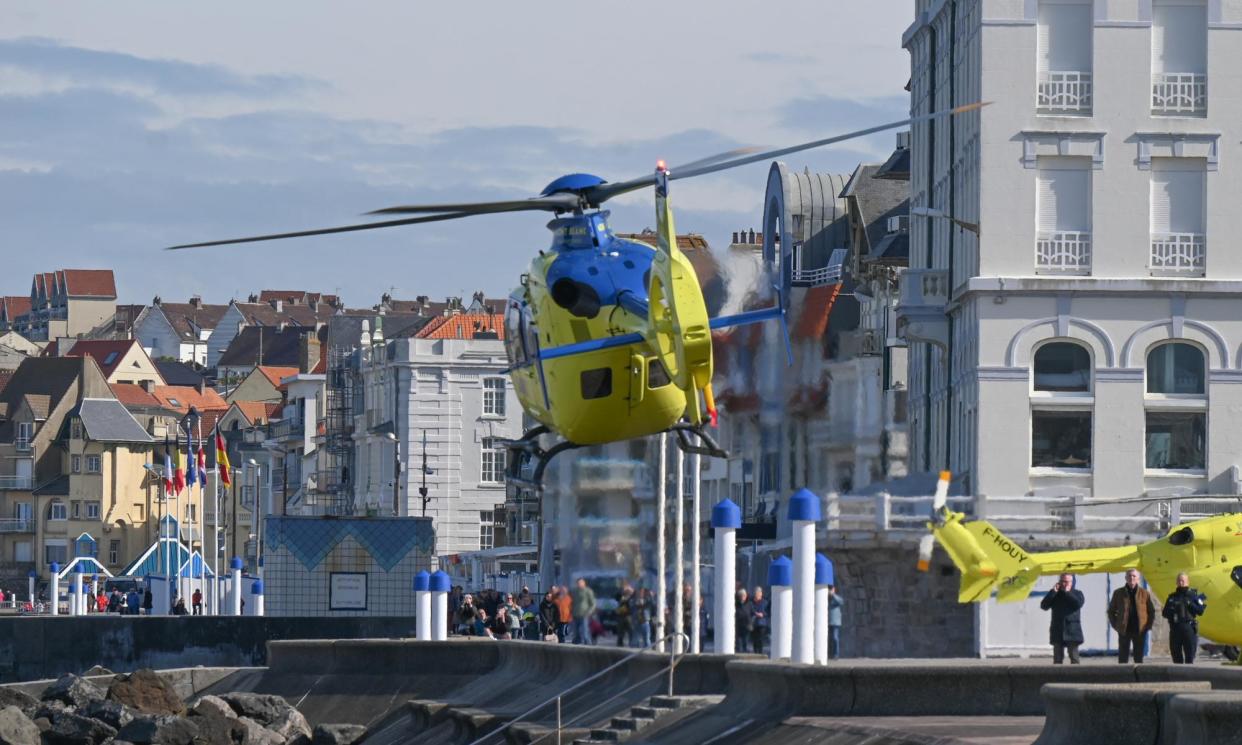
x=642, y=715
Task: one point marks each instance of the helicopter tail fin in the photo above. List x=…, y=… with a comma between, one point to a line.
x=987, y=559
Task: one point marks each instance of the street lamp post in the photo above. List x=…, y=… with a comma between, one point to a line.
x=396, y=474
x=422, y=490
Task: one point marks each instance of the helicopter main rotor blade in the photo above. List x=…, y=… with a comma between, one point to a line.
x=604, y=192
x=552, y=203
x=323, y=231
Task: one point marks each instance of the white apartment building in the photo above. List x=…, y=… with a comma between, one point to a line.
x=1087, y=341
x=447, y=384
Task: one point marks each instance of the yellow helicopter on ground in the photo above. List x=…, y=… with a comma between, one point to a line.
x=608, y=338
x=1209, y=551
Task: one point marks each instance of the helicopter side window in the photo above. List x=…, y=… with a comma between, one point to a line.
x=597, y=383
x=1236, y=576
x=657, y=375
x=1183, y=537
x=530, y=335
x=513, y=335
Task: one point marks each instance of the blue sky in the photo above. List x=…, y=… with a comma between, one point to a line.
x=126, y=126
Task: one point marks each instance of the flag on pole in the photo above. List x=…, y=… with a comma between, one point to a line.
x=202, y=465
x=178, y=482
x=168, y=469
x=191, y=472
x=223, y=468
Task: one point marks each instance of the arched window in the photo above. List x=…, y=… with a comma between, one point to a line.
x=1176, y=429
x=1063, y=367
x=1175, y=368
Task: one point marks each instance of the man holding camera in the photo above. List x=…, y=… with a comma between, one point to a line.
x=1182, y=611
x=1066, y=630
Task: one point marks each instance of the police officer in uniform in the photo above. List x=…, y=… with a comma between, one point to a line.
x=1181, y=610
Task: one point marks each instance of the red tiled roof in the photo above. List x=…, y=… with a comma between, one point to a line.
x=207, y=421
x=685, y=241
x=257, y=412
x=107, y=353
x=813, y=316
x=464, y=327
x=4, y=379
x=89, y=282
x=180, y=398
x=134, y=395
x=15, y=305
x=274, y=373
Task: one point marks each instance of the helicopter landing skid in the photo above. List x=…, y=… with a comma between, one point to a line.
x=706, y=444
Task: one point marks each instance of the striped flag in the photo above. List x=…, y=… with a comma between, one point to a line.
x=168, y=469
x=223, y=467
x=178, y=469
x=202, y=466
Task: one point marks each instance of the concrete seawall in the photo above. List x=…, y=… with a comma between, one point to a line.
x=45, y=647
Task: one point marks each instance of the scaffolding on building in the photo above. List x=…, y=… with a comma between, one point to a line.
x=333, y=484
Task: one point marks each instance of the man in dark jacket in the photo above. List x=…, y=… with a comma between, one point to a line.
x=549, y=614
x=1066, y=630
x=1182, y=611
x=1131, y=613
x=743, y=621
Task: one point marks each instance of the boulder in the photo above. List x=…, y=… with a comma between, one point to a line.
x=213, y=705
x=159, y=730
x=145, y=691
x=338, y=734
x=43, y=723
x=111, y=713
x=217, y=729
x=75, y=729
x=272, y=712
x=73, y=691
x=16, y=729
x=98, y=670
x=49, y=710
x=23, y=701
x=256, y=734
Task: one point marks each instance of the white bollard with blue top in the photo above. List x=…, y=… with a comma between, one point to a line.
x=422, y=606
x=726, y=519
x=804, y=512
x=780, y=578
x=30, y=582
x=439, y=586
x=256, y=598
x=236, y=585
x=823, y=578
x=75, y=599
x=55, y=589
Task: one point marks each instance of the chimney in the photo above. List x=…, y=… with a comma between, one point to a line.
x=365, y=337
x=308, y=352
x=156, y=300
x=278, y=304
x=148, y=386
x=196, y=301
x=253, y=298
x=202, y=386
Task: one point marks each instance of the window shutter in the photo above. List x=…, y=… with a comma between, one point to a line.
x=1179, y=37
x=1177, y=196
x=1064, y=195
x=1064, y=36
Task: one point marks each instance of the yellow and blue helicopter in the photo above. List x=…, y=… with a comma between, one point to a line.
x=608, y=338
x=1209, y=551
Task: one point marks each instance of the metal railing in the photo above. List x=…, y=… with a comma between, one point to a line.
x=670, y=668
x=1178, y=253
x=1064, y=92
x=22, y=445
x=23, y=483
x=17, y=525
x=1179, y=93
x=824, y=275
x=1063, y=252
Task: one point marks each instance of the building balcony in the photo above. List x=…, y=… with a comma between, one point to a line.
x=16, y=483
x=1063, y=252
x=1179, y=94
x=924, y=293
x=1064, y=93
x=21, y=445
x=17, y=525
x=1178, y=254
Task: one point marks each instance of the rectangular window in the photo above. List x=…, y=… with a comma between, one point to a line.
x=76, y=429
x=58, y=553
x=114, y=552
x=1064, y=57
x=77, y=463
x=92, y=510
x=1176, y=440
x=494, y=396
x=1178, y=216
x=58, y=511
x=92, y=464
x=1060, y=439
x=492, y=461
x=77, y=510
x=596, y=383
x=1179, y=57
x=487, y=535
x=25, y=431
x=1063, y=215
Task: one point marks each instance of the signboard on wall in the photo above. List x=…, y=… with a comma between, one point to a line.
x=347, y=591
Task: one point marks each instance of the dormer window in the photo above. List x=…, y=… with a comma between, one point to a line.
x=75, y=429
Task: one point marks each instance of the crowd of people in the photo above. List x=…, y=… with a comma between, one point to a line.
x=1131, y=613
